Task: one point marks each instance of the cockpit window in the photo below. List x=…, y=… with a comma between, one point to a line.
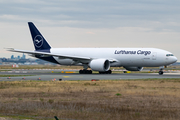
x=169, y=55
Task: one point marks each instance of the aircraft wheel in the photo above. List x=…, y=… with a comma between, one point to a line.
x=85, y=71
x=106, y=72
x=101, y=72
x=161, y=72
x=109, y=71
x=80, y=71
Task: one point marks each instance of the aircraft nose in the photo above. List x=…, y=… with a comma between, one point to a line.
x=174, y=59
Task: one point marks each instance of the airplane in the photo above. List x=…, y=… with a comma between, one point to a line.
x=98, y=59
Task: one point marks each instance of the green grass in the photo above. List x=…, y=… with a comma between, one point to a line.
x=137, y=99
x=22, y=117
x=4, y=70
x=14, y=75
x=73, y=67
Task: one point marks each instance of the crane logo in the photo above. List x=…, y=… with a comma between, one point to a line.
x=38, y=41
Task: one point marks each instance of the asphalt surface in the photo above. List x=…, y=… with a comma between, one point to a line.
x=47, y=75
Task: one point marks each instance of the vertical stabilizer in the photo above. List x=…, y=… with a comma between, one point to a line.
x=39, y=41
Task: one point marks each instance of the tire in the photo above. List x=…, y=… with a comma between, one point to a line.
x=85, y=71
x=106, y=72
x=80, y=71
x=109, y=71
x=160, y=72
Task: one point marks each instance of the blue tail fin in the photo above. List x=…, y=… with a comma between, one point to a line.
x=39, y=41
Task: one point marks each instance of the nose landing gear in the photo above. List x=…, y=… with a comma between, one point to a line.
x=161, y=71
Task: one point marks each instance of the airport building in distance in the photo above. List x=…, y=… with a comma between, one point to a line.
x=22, y=60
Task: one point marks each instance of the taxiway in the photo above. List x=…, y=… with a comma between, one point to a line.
x=47, y=75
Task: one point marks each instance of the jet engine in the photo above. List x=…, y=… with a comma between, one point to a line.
x=100, y=65
x=134, y=68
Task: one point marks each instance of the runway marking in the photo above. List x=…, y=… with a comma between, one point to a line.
x=69, y=72
x=66, y=76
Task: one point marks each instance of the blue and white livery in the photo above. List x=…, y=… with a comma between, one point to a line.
x=98, y=59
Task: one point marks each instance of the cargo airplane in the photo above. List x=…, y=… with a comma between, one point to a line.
x=98, y=59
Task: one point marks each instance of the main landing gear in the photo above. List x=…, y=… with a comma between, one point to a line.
x=90, y=72
x=161, y=72
x=85, y=71
x=106, y=72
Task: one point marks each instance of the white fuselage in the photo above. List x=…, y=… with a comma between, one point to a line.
x=141, y=57
x=98, y=59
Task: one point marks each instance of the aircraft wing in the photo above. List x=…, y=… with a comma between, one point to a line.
x=45, y=54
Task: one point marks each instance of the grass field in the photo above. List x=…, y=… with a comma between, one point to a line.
x=39, y=67
x=5, y=67
x=14, y=75
x=150, y=99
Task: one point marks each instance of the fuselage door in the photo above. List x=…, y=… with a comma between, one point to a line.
x=154, y=56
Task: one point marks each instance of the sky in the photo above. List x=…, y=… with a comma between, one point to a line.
x=91, y=23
